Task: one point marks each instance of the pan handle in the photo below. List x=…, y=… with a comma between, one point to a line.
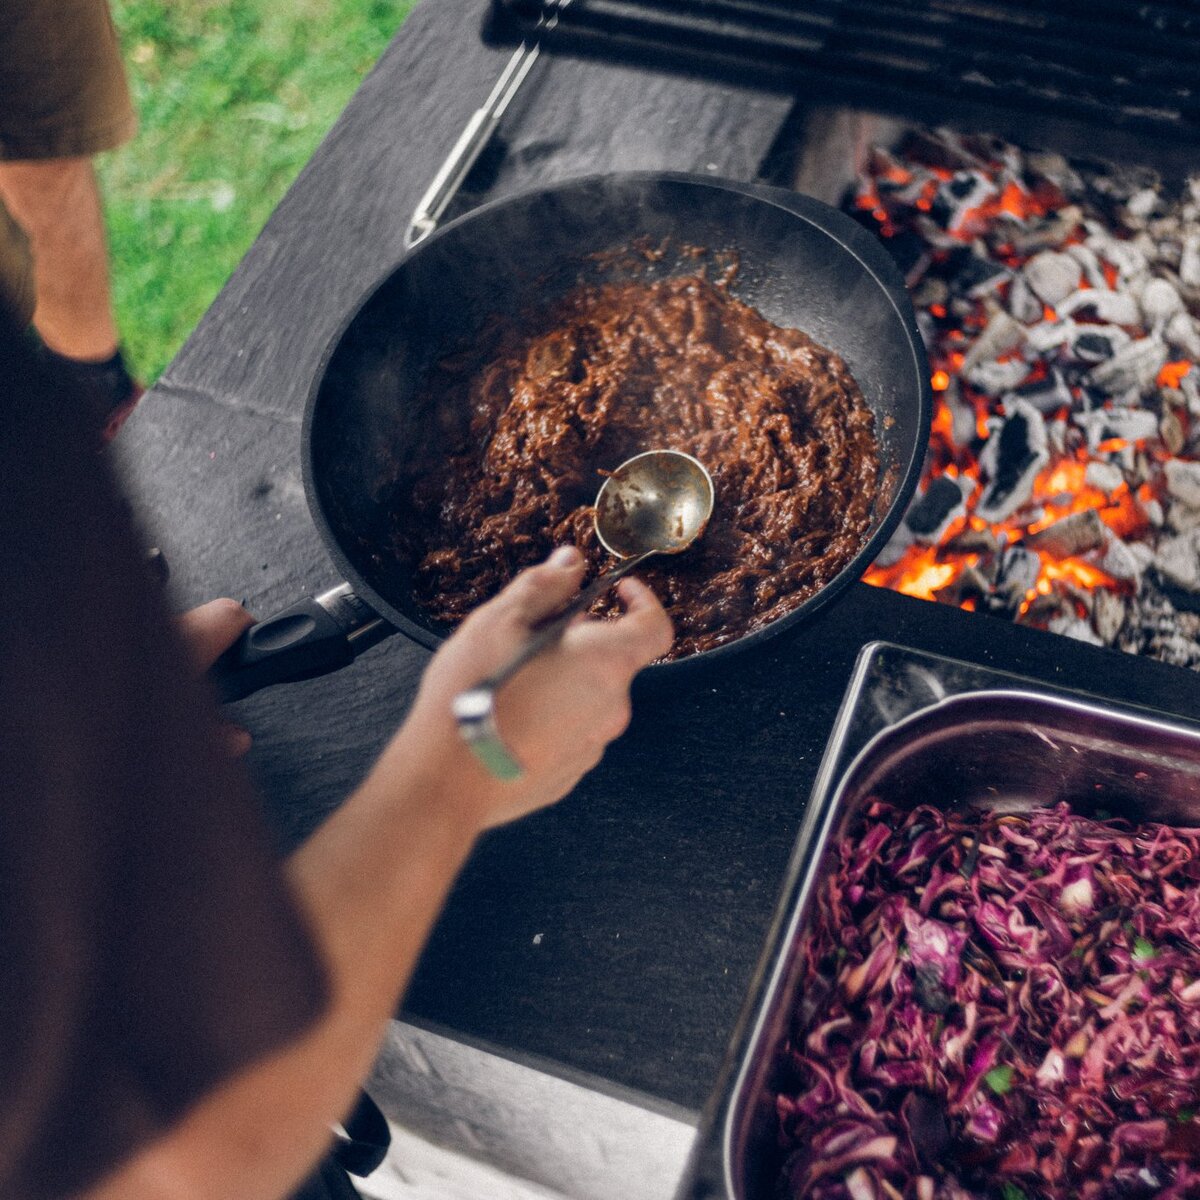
x=313, y=637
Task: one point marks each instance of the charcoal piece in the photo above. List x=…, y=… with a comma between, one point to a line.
x=996, y=379
x=1189, y=260
x=1160, y=302
x=969, y=584
x=1055, y=168
x=1132, y=368
x=1104, y=477
x=1093, y=272
x=959, y=196
x=931, y=290
x=1073, y=535
x=1189, y=385
x=1142, y=203
x=1052, y=276
x=1182, y=518
x=1113, y=308
x=1177, y=561
x=897, y=544
x=1098, y=343
x=1183, y=481
x=1018, y=575
x=1108, y=615
x=962, y=416
x=1129, y=424
x=1118, y=560
x=1011, y=459
x=1048, y=232
x=1129, y=261
x=1001, y=334
x=975, y=276
x=936, y=510
x=1171, y=432
x=1183, y=335
x=1072, y=626
x=1048, y=335
x=1022, y=303
x=938, y=148
x=1048, y=394
x=973, y=541
x=909, y=253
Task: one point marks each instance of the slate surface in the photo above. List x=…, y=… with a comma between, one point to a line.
x=651, y=887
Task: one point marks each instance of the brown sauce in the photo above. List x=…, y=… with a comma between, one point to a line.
x=551, y=402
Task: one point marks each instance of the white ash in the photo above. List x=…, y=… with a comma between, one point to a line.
x=1133, y=367
x=1125, y=301
x=1098, y=343
x=1113, y=308
x=1189, y=260
x=1022, y=303
x=1177, y=560
x=1087, y=258
x=1159, y=302
x=1183, y=481
x=1052, y=276
x=1117, y=560
x=1129, y=424
x=1103, y=476
x=1001, y=334
x=1011, y=459
x=1072, y=535
x=1075, y=627
x=1183, y=334
x=996, y=379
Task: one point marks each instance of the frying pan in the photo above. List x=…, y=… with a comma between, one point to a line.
x=801, y=264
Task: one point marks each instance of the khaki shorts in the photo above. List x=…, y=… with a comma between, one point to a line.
x=63, y=94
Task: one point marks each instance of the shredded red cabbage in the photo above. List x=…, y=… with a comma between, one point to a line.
x=998, y=1006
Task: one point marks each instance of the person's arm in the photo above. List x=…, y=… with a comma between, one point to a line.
x=373, y=878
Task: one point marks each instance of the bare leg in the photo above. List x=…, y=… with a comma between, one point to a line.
x=57, y=202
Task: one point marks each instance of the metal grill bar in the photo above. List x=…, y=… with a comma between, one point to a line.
x=1129, y=70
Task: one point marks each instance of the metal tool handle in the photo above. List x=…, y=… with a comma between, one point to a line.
x=475, y=709
x=471, y=142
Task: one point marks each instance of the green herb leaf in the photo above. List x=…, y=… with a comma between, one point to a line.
x=999, y=1079
x=1143, y=950
x=1010, y=1191
x=1184, y=1115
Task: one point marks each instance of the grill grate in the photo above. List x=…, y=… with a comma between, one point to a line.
x=1116, y=75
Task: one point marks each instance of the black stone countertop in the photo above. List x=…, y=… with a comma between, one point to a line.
x=617, y=933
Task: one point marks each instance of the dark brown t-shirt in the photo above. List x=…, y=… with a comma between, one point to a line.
x=148, y=944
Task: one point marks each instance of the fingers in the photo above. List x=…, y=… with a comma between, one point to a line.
x=540, y=592
x=208, y=631
x=640, y=635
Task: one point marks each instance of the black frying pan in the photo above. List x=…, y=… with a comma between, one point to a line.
x=802, y=264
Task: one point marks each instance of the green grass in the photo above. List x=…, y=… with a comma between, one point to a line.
x=233, y=97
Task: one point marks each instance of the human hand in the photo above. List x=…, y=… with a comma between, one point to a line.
x=560, y=711
x=207, y=632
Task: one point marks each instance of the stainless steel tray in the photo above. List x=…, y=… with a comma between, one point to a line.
x=916, y=728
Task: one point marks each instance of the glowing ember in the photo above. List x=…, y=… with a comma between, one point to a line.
x=1034, y=300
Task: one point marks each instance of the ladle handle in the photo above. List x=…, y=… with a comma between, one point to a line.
x=474, y=709
x=546, y=634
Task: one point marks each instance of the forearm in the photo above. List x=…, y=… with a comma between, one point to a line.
x=370, y=882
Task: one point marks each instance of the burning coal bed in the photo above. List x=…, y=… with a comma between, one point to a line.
x=1058, y=302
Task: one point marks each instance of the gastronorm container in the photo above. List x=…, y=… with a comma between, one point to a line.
x=915, y=728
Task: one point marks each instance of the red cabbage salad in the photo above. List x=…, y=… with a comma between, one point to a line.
x=997, y=1006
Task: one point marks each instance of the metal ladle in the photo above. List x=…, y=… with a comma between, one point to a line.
x=654, y=503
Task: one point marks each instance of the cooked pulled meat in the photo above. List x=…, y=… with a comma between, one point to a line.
x=552, y=401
